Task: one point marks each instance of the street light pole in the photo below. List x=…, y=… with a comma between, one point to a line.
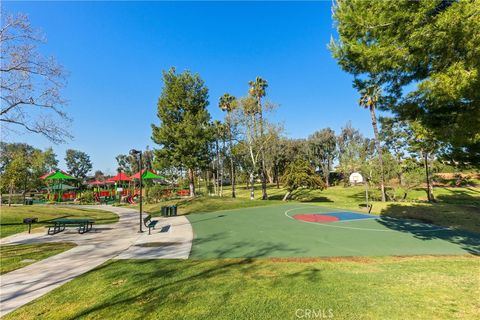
x=141, y=197
x=134, y=152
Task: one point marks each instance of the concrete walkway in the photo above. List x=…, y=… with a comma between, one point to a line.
x=172, y=239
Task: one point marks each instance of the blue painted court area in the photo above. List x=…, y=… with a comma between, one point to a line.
x=350, y=215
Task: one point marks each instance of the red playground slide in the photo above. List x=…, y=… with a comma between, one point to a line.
x=130, y=200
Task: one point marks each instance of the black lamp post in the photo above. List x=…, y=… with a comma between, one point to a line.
x=134, y=152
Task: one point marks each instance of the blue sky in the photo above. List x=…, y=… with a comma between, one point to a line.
x=115, y=53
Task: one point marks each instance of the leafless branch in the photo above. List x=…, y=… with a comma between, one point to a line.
x=30, y=83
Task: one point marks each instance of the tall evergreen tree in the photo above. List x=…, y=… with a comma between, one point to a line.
x=426, y=145
x=323, y=145
x=184, y=132
x=78, y=163
x=426, y=57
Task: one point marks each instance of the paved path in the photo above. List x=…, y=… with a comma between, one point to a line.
x=171, y=239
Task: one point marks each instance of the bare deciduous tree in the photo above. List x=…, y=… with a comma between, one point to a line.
x=30, y=82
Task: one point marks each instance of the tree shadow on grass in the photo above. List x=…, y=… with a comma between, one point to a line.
x=160, y=283
x=315, y=199
x=460, y=196
x=276, y=197
x=248, y=249
x=307, y=195
x=428, y=222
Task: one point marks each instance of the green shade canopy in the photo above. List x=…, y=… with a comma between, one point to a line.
x=60, y=175
x=146, y=175
x=59, y=187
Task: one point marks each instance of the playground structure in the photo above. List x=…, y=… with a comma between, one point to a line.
x=119, y=188
x=56, y=190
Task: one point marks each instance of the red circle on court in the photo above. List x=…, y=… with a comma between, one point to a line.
x=315, y=217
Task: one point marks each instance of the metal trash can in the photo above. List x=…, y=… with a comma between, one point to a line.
x=174, y=210
x=28, y=202
x=163, y=211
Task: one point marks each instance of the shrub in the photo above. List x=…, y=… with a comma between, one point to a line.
x=86, y=198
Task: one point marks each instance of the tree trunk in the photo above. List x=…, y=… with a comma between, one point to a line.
x=214, y=184
x=263, y=171
x=326, y=172
x=197, y=175
x=427, y=176
x=264, y=180
x=221, y=183
x=232, y=178
x=232, y=166
x=217, y=186
x=24, y=190
x=379, y=151
x=270, y=176
x=191, y=177
x=287, y=195
x=206, y=182
x=252, y=186
x=10, y=196
x=277, y=178
x=399, y=173
x=222, y=169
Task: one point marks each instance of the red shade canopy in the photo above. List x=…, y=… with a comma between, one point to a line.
x=119, y=177
x=99, y=183
x=47, y=175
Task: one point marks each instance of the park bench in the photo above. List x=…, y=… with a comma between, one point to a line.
x=59, y=225
x=149, y=223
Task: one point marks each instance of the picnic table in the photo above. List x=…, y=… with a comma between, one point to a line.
x=59, y=225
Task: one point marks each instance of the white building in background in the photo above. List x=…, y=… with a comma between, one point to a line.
x=355, y=178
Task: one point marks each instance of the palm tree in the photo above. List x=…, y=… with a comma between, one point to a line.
x=217, y=164
x=228, y=103
x=370, y=96
x=258, y=91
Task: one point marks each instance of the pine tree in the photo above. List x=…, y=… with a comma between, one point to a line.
x=184, y=132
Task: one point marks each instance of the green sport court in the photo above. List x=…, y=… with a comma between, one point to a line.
x=307, y=230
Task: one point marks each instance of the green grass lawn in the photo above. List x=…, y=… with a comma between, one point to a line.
x=419, y=286
x=11, y=218
x=358, y=288
x=14, y=257
x=207, y=204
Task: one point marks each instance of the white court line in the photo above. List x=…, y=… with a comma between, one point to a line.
x=332, y=224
